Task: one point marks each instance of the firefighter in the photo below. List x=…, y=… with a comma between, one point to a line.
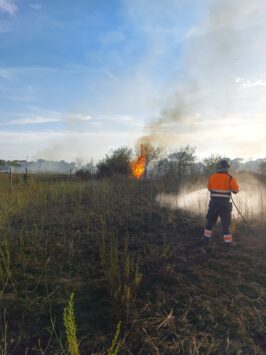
x=221, y=184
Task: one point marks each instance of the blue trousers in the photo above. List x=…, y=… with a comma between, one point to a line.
x=219, y=207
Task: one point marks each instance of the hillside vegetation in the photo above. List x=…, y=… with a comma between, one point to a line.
x=99, y=267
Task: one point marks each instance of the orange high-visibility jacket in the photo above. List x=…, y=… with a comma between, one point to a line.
x=222, y=184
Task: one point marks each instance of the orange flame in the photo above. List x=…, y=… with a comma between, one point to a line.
x=137, y=166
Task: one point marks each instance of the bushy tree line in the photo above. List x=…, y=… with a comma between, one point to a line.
x=159, y=164
x=182, y=162
x=174, y=165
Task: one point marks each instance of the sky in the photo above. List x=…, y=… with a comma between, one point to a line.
x=79, y=78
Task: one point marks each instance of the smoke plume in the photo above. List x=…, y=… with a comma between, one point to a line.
x=224, y=46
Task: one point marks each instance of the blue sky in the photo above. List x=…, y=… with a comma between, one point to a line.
x=80, y=78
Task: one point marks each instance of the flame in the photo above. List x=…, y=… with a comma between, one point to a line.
x=137, y=166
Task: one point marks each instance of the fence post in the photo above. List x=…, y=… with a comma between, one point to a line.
x=26, y=176
x=10, y=177
x=70, y=174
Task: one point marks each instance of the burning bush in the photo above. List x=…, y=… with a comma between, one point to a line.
x=138, y=166
x=146, y=153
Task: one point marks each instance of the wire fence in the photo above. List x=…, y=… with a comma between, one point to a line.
x=9, y=178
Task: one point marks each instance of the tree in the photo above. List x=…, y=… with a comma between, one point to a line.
x=182, y=161
x=262, y=168
x=210, y=163
x=117, y=163
x=87, y=172
x=236, y=164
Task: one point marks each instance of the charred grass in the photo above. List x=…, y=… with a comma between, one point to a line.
x=126, y=260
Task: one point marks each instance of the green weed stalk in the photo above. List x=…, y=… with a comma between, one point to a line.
x=70, y=327
x=116, y=342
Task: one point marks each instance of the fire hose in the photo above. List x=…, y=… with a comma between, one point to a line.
x=241, y=215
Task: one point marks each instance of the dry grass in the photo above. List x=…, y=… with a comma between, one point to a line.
x=129, y=260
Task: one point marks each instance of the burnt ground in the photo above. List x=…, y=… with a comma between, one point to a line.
x=126, y=259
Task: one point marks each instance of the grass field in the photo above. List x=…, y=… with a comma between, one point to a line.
x=99, y=267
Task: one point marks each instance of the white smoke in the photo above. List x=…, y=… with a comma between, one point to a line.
x=251, y=201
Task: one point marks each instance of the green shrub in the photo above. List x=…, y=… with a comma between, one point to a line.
x=115, y=164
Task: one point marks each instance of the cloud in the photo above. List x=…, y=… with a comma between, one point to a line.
x=8, y=6
x=6, y=74
x=32, y=121
x=18, y=93
x=112, y=38
x=4, y=26
x=250, y=83
x=61, y=145
x=79, y=117
x=79, y=135
x=110, y=75
x=36, y=7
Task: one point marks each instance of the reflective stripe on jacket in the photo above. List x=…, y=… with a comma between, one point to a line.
x=222, y=184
